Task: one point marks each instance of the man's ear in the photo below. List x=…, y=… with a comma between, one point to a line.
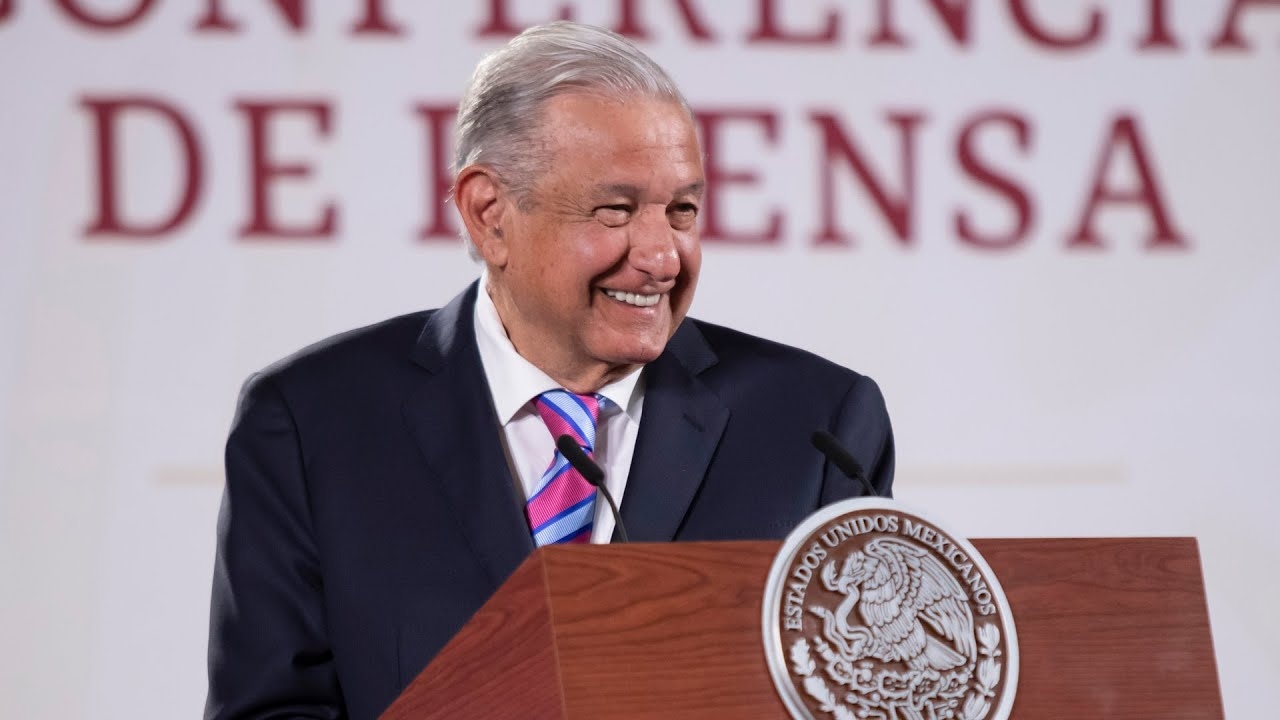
x=483, y=203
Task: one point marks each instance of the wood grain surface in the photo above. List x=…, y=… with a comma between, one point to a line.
x=501, y=665
x=1111, y=628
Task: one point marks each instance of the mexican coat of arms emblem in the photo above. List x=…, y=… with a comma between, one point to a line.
x=873, y=612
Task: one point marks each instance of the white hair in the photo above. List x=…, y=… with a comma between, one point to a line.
x=499, y=117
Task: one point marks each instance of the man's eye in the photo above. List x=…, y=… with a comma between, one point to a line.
x=682, y=216
x=613, y=215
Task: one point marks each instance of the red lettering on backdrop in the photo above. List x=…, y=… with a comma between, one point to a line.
x=263, y=171
x=106, y=112
x=6, y=9
x=954, y=15
x=836, y=144
x=98, y=22
x=769, y=30
x=719, y=177
x=1031, y=27
x=1158, y=36
x=375, y=21
x=439, y=225
x=500, y=24
x=976, y=168
x=293, y=12
x=629, y=26
x=1229, y=38
x=1125, y=136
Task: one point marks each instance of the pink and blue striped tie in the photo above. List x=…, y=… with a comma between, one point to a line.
x=563, y=506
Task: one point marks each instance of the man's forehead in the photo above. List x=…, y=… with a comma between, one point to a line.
x=605, y=147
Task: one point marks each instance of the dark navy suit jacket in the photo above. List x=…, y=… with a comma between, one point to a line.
x=369, y=508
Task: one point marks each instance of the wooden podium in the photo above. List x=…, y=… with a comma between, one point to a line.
x=1113, y=628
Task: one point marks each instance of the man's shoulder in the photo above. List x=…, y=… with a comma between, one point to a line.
x=735, y=349
x=368, y=350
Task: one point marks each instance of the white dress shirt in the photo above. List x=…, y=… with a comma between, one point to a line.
x=514, y=382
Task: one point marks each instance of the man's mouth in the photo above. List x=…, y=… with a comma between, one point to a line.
x=634, y=298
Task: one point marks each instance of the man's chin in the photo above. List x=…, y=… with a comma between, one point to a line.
x=639, y=354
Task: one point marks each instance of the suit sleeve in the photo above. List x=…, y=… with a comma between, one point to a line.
x=862, y=425
x=269, y=655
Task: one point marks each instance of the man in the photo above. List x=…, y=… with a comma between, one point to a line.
x=382, y=484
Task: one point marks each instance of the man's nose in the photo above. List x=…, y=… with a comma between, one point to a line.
x=653, y=245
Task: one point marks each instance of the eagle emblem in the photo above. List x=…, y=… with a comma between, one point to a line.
x=874, y=612
x=897, y=590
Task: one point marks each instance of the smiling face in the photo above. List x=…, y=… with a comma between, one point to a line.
x=595, y=269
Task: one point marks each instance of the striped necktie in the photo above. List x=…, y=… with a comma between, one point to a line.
x=563, y=506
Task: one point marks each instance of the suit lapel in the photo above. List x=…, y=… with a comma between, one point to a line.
x=451, y=417
x=681, y=426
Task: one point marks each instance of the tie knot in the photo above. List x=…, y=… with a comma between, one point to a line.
x=567, y=413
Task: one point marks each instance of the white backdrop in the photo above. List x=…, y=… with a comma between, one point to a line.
x=1123, y=385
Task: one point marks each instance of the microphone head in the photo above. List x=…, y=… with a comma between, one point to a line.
x=828, y=445
x=578, y=458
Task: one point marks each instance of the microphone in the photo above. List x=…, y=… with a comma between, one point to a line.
x=829, y=446
x=592, y=473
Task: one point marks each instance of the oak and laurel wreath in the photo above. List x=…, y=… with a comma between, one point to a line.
x=976, y=705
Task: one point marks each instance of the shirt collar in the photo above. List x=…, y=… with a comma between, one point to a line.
x=514, y=381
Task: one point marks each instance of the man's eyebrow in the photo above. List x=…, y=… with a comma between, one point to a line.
x=618, y=189
x=628, y=190
x=693, y=188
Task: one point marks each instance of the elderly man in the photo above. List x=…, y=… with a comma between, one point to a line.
x=382, y=484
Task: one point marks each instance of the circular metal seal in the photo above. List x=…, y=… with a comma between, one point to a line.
x=873, y=611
